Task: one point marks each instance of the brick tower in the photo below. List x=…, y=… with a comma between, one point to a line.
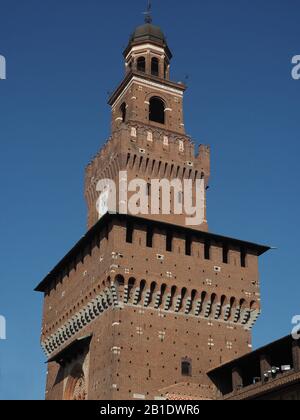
x=144, y=307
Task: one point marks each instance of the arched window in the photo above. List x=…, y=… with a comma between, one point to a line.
x=155, y=67
x=186, y=367
x=157, y=110
x=123, y=111
x=141, y=64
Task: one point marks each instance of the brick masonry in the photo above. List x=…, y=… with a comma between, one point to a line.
x=150, y=304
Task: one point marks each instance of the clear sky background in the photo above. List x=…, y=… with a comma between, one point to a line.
x=63, y=58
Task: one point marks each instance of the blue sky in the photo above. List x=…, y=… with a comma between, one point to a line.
x=63, y=57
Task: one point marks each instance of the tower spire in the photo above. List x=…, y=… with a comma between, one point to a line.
x=148, y=13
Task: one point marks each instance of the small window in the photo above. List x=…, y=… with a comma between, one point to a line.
x=123, y=110
x=225, y=254
x=181, y=146
x=157, y=110
x=155, y=67
x=129, y=233
x=141, y=64
x=188, y=246
x=207, y=250
x=149, y=239
x=169, y=242
x=243, y=258
x=186, y=368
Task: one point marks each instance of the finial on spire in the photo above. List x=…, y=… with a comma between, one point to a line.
x=148, y=14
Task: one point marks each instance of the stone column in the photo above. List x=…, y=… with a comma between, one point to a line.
x=161, y=67
x=148, y=62
x=237, y=379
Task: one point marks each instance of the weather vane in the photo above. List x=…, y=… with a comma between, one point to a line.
x=148, y=15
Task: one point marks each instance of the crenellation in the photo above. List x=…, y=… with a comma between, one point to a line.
x=143, y=159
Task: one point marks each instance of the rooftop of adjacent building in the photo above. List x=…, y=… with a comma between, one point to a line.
x=264, y=370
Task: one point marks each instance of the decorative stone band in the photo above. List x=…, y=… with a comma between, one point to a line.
x=120, y=296
x=80, y=320
x=146, y=84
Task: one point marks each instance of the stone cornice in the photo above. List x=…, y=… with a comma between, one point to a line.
x=176, y=88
